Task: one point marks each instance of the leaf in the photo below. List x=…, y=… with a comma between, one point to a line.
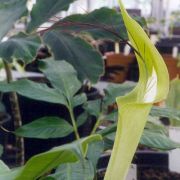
x=103, y=23
x=43, y=10
x=82, y=56
x=108, y=130
x=82, y=118
x=134, y=108
x=45, y=128
x=94, y=151
x=75, y=171
x=152, y=140
x=157, y=128
x=158, y=141
x=114, y=90
x=44, y=162
x=173, y=100
x=48, y=178
x=6, y=173
x=20, y=47
x=1, y=150
x=10, y=12
x=11, y=174
x=3, y=167
x=37, y=91
x=79, y=99
x=62, y=76
x=113, y=116
x=165, y=112
x=93, y=107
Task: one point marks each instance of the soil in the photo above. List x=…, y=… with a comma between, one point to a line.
x=157, y=174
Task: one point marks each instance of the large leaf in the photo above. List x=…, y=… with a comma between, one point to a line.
x=134, y=108
x=155, y=112
x=154, y=140
x=103, y=23
x=10, y=12
x=44, y=162
x=165, y=112
x=75, y=171
x=84, y=58
x=158, y=141
x=37, y=91
x=62, y=76
x=173, y=100
x=21, y=47
x=44, y=128
x=43, y=10
x=156, y=127
x=84, y=169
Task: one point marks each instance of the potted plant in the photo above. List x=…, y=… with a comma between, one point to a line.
x=63, y=76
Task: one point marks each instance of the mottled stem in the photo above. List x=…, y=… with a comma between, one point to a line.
x=16, y=117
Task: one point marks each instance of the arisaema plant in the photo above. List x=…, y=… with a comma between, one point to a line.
x=134, y=108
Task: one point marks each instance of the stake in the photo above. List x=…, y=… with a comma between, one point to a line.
x=16, y=116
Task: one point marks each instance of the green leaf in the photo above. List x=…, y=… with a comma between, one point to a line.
x=152, y=140
x=83, y=57
x=108, y=130
x=94, y=151
x=113, y=116
x=3, y=167
x=173, y=100
x=75, y=171
x=103, y=23
x=6, y=173
x=157, y=128
x=114, y=90
x=134, y=107
x=11, y=174
x=1, y=150
x=165, y=112
x=43, y=10
x=82, y=118
x=48, y=178
x=62, y=76
x=37, y=91
x=20, y=47
x=79, y=99
x=93, y=107
x=158, y=141
x=44, y=128
x=44, y=162
x=10, y=12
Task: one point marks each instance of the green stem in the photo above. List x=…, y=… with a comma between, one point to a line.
x=73, y=122
x=98, y=122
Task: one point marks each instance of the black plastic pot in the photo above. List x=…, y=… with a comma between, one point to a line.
x=145, y=161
